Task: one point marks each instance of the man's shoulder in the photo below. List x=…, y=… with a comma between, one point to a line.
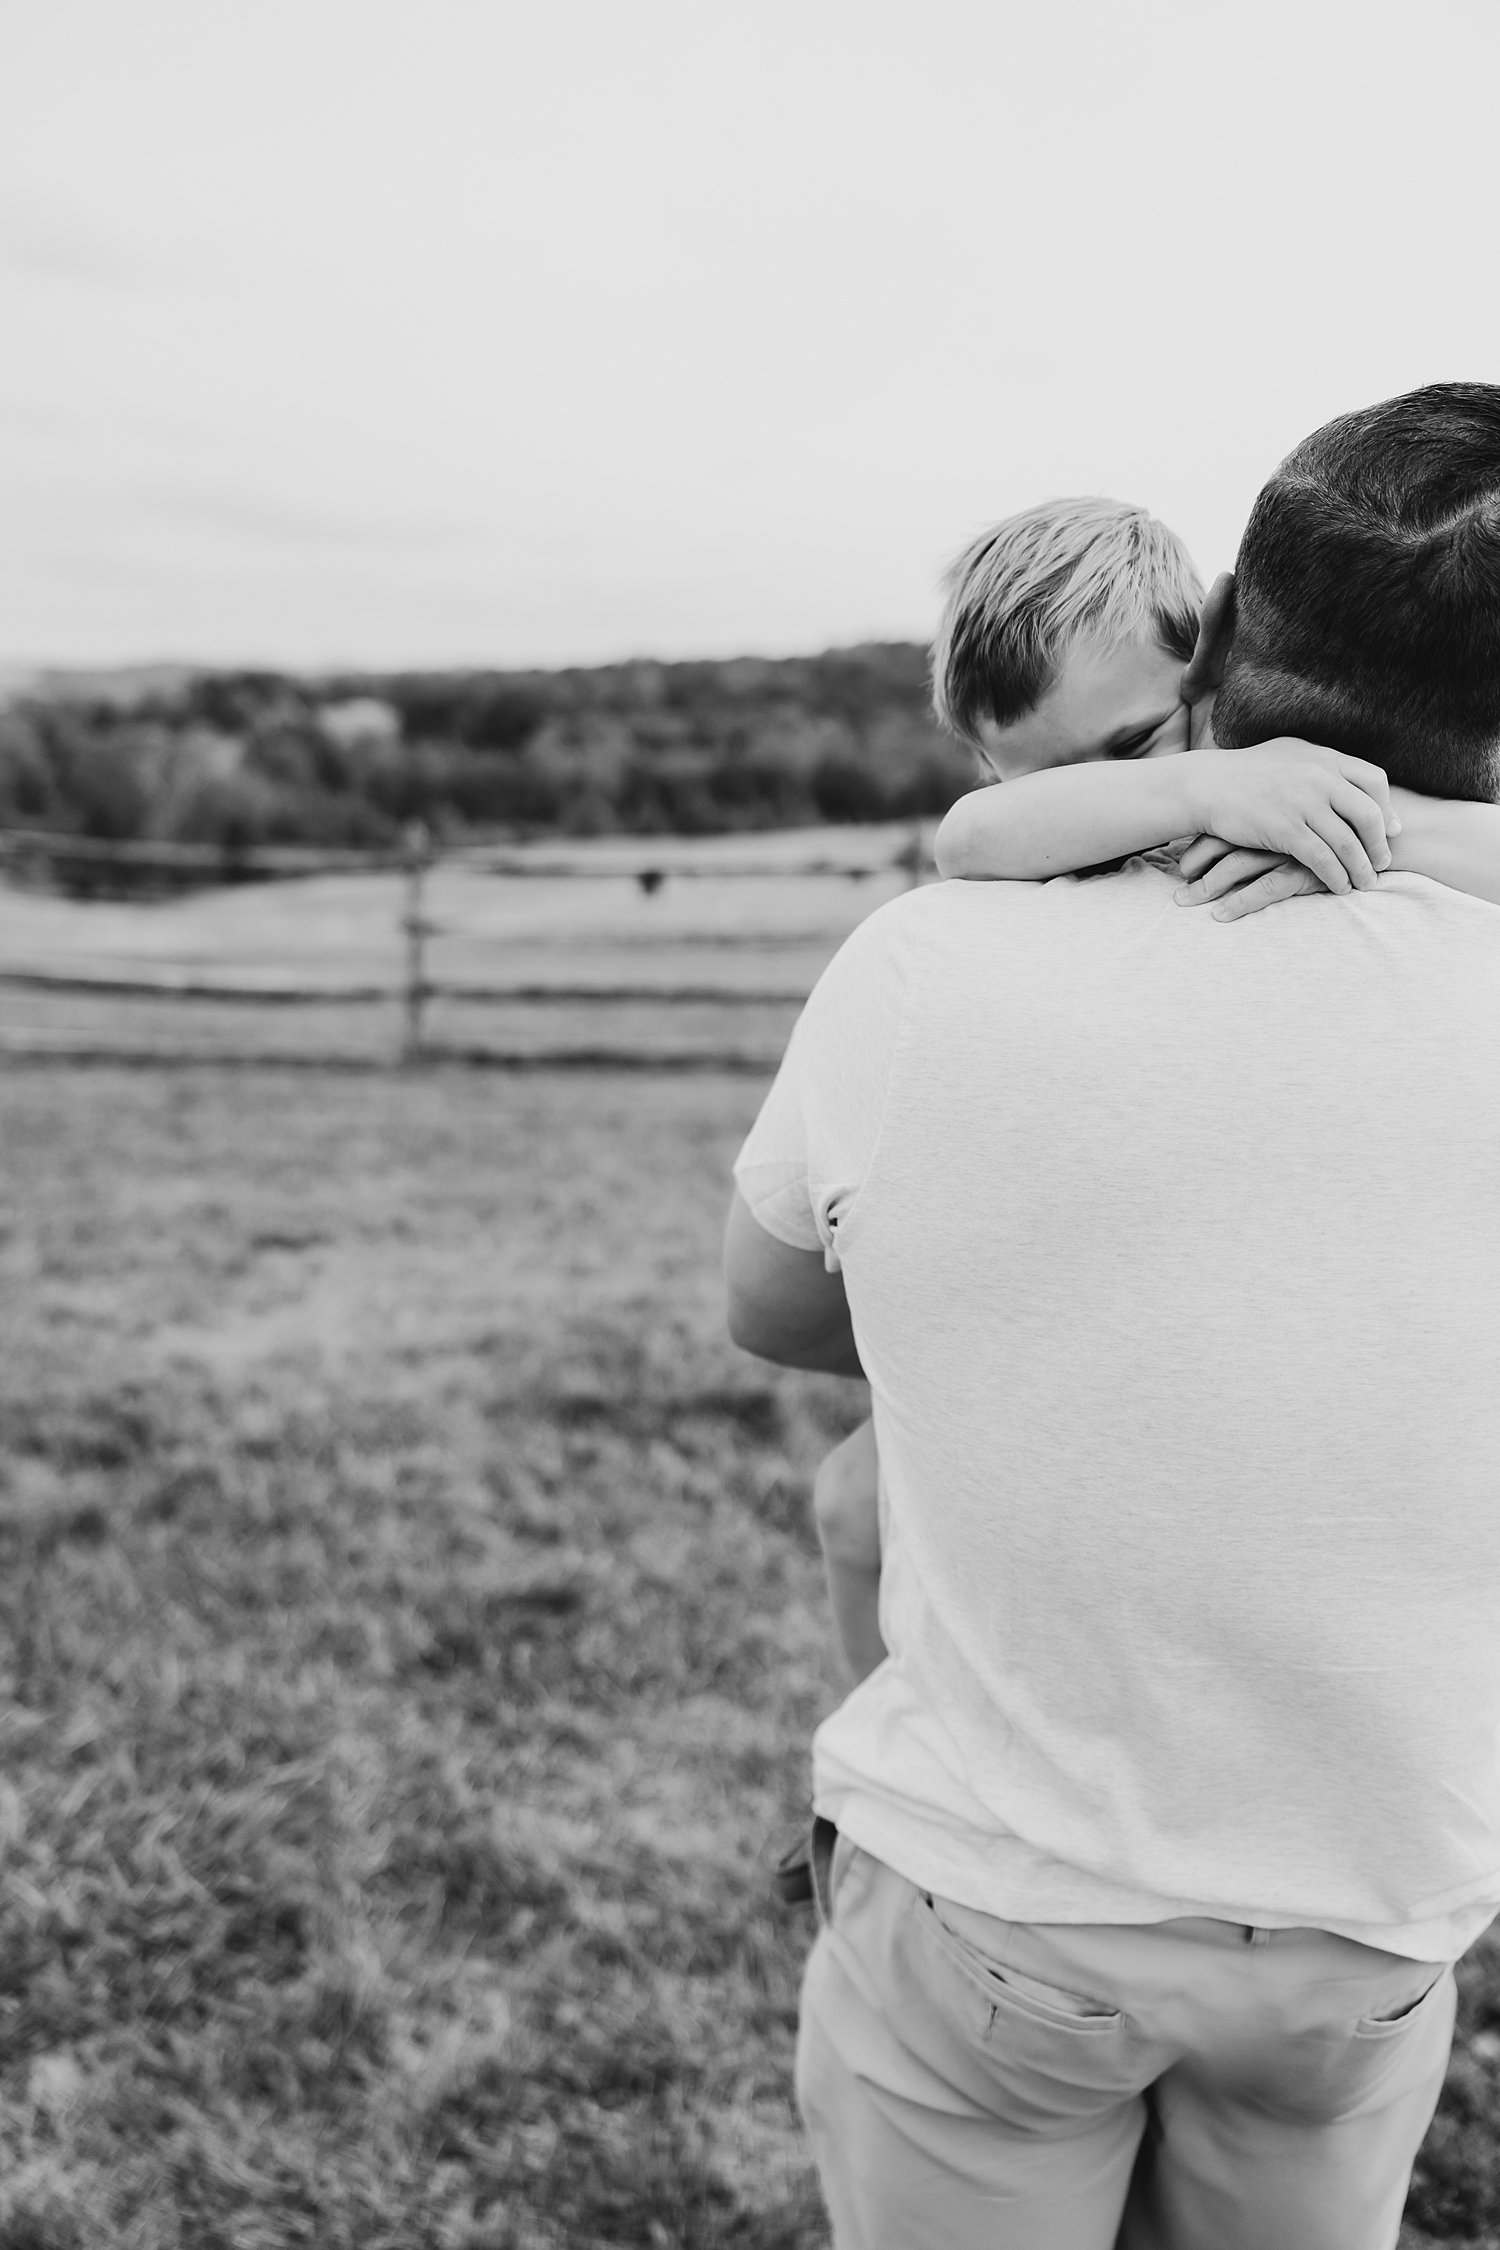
x=977, y=929
x=894, y=934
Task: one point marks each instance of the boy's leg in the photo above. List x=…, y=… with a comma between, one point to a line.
x=846, y=1511
x=930, y=2129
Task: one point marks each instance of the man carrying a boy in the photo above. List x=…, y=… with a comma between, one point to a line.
x=1171, y=1253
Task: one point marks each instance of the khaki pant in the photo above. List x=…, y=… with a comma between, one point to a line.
x=973, y=2084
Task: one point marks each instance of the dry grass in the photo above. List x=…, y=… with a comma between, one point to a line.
x=411, y=1639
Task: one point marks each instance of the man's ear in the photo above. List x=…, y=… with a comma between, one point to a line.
x=1215, y=632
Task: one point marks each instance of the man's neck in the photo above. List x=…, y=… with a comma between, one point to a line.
x=1200, y=724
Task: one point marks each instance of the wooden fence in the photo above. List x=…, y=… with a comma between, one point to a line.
x=86, y=865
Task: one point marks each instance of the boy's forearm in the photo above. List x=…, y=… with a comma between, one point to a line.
x=1449, y=839
x=1049, y=823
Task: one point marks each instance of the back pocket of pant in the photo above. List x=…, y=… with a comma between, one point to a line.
x=1401, y=2017
x=1009, y=1992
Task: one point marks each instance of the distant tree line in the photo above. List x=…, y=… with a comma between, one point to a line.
x=237, y=759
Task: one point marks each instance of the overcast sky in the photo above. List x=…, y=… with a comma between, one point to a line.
x=413, y=331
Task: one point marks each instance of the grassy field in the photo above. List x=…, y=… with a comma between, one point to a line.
x=411, y=1639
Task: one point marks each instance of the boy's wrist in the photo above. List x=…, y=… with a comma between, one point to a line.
x=1187, y=792
x=1203, y=788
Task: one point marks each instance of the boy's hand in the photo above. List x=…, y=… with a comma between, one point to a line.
x=1239, y=882
x=1329, y=812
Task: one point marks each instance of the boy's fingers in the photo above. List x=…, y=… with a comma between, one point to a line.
x=1286, y=881
x=1366, y=819
x=1338, y=830
x=1203, y=853
x=1323, y=847
x=1231, y=868
x=1372, y=779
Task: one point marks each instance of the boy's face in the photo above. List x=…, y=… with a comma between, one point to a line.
x=1110, y=699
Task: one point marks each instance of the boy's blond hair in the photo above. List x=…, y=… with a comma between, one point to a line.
x=1024, y=590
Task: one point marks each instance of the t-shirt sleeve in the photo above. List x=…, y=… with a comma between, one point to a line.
x=808, y=1152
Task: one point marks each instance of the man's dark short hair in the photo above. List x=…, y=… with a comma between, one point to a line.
x=1367, y=594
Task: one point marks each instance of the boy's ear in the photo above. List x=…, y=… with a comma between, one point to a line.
x=1215, y=632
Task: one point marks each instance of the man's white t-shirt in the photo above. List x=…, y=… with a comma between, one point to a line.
x=1172, y=1249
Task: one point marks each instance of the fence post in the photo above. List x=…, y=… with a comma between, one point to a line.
x=418, y=858
x=913, y=855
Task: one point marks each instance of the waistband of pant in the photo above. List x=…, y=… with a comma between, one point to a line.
x=1206, y=1928
x=1238, y=1933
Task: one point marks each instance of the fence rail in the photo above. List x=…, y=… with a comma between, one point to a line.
x=213, y=862
x=88, y=862
x=171, y=987
x=221, y=863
